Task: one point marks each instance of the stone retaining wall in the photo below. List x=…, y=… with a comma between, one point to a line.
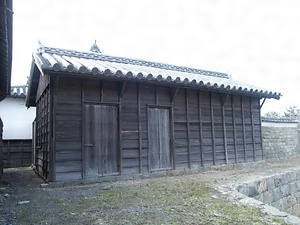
x=281, y=191
x=280, y=140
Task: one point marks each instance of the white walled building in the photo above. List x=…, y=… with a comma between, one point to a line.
x=17, y=128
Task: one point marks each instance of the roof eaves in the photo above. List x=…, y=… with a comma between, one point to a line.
x=59, y=60
x=32, y=85
x=148, y=77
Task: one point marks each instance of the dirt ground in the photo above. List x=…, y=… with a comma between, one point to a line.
x=23, y=201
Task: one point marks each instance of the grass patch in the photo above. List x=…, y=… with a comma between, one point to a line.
x=150, y=202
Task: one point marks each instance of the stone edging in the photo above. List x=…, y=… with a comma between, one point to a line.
x=234, y=195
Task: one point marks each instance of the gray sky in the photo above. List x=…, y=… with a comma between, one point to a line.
x=255, y=41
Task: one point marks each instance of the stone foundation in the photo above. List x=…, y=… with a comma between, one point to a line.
x=281, y=191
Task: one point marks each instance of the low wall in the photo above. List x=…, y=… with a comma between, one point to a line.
x=1, y=154
x=281, y=191
x=280, y=138
x=17, y=153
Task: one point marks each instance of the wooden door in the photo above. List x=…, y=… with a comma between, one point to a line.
x=100, y=140
x=159, y=138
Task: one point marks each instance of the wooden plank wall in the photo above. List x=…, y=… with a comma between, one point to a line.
x=43, y=134
x=209, y=128
x=68, y=129
x=17, y=153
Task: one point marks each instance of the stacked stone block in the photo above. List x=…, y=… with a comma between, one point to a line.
x=281, y=191
x=280, y=142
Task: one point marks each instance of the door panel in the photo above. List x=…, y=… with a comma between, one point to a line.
x=101, y=140
x=159, y=138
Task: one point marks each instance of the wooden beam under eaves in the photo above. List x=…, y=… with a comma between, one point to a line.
x=223, y=98
x=173, y=94
x=121, y=89
x=261, y=105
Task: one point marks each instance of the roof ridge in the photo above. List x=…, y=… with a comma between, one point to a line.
x=19, y=86
x=100, y=56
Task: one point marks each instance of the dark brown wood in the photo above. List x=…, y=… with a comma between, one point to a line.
x=159, y=106
x=203, y=129
x=172, y=97
x=17, y=153
x=83, y=155
x=33, y=141
x=174, y=93
x=244, y=129
x=212, y=128
x=22, y=152
x=90, y=160
x=188, y=128
x=43, y=142
x=159, y=138
x=139, y=128
x=101, y=140
x=120, y=155
x=156, y=96
x=8, y=153
x=68, y=126
x=200, y=129
x=223, y=98
x=101, y=103
x=120, y=141
x=172, y=144
x=43, y=84
x=101, y=91
x=121, y=89
x=224, y=129
x=53, y=104
x=252, y=129
x=261, y=141
x=261, y=105
x=234, y=129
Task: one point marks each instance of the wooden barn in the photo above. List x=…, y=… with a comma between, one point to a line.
x=100, y=115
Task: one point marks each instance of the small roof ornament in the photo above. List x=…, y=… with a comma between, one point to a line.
x=95, y=48
x=41, y=48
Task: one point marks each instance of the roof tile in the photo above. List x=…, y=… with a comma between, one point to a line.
x=61, y=60
x=18, y=91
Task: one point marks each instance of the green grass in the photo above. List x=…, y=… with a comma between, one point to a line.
x=151, y=202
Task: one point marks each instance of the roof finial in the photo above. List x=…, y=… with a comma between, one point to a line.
x=95, y=48
x=41, y=48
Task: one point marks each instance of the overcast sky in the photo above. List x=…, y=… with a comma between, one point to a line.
x=255, y=41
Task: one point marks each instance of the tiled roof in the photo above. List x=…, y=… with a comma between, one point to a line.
x=279, y=119
x=97, y=64
x=18, y=91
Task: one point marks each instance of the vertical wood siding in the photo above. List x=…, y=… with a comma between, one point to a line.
x=159, y=138
x=17, y=153
x=203, y=125
x=100, y=147
x=68, y=128
x=42, y=155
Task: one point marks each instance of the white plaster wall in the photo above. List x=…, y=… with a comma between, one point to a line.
x=17, y=119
